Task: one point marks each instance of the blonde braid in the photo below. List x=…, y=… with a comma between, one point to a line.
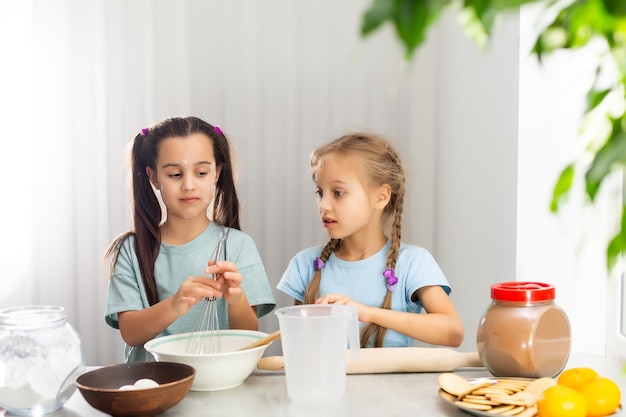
x=312, y=292
x=373, y=331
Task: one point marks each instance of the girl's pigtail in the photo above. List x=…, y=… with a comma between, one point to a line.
x=226, y=202
x=147, y=216
x=374, y=332
x=313, y=290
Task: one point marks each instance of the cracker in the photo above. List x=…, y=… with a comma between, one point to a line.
x=529, y=412
x=534, y=390
x=528, y=398
x=492, y=390
x=473, y=406
x=472, y=388
x=447, y=396
x=453, y=383
x=479, y=400
x=512, y=386
x=502, y=408
x=538, y=386
x=515, y=411
x=508, y=399
x=515, y=381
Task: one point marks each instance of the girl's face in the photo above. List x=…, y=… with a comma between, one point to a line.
x=345, y=205
x=185, y=174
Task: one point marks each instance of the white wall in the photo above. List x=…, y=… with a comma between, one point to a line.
x=476, y=164
x=279, y=77
x=280, y=89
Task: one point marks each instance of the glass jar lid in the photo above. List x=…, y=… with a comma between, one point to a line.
x=522, y=291
x=32, y=317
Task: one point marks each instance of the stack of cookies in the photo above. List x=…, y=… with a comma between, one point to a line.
x=498, y=396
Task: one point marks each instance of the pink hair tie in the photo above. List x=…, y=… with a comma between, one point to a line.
x=318, y=264
x=218, y=130
x=392, y=280
x=144, y=131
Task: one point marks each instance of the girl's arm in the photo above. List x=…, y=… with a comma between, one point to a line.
x=441, y=325
x=139, y=326
x=242, y=316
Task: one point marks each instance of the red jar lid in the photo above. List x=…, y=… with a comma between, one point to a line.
x=521, y=291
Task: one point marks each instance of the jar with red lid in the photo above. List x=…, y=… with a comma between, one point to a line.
x=523, y=333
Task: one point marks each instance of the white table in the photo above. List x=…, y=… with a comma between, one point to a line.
x=264, y=394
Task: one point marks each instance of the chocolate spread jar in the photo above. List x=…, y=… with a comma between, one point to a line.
x=523, y=333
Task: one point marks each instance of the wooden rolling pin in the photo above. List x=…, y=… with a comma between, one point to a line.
x=390, y=360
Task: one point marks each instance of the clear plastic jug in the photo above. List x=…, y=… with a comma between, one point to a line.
x=313, y=338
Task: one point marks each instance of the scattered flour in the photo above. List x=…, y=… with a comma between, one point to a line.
x=36, y=380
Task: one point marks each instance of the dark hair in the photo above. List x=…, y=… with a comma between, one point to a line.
x=380, y=165
x=147, y=213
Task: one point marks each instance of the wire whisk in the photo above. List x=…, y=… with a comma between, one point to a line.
x=205, y=338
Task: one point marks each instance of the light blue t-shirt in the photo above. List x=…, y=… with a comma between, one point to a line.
x=173, y=265
x=363, y=280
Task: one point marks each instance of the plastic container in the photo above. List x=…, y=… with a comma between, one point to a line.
x=40, y=357
x=523, y=333
x=314, y=340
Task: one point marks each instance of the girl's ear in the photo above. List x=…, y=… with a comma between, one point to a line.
x=383, y=195
x=153, y=177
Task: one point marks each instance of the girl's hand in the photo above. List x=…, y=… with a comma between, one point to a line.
x=192, y=290
x=228, y=280
x=345, y=300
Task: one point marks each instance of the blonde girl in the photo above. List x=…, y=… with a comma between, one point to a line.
x=360, y=183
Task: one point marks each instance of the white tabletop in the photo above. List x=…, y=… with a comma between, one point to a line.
x=401, y=394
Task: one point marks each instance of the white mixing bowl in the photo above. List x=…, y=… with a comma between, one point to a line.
x=214, y=371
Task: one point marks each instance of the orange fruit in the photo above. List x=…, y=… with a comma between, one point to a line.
x=576, y=377
x=561, y=401
x=602, y=396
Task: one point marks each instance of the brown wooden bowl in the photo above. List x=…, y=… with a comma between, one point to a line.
x=100, y=388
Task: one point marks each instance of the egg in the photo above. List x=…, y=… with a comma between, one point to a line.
x=139, y=384
x=146, y=383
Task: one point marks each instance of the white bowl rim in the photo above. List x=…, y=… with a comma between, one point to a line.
x=152, y=345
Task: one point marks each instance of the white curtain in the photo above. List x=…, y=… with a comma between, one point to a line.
x=79, y=79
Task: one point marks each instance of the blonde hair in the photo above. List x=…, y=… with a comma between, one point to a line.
x=380, y=165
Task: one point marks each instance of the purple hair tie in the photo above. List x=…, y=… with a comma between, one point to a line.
x=218, y=130
x=392, y=280
x=318, y=264
x=144, y=131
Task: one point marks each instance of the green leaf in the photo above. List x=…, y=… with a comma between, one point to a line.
x=480, y=18
x=617, y=246
x=612, y=153
x=562, y=187
x=615, y=7
x=376, y=15
x=595, y=97
x=411, y=20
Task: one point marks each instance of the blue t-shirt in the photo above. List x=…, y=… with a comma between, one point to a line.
x=363, y=280
x=173, y=265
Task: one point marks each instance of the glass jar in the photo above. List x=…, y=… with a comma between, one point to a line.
x=40, y=356
x=523, y=333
